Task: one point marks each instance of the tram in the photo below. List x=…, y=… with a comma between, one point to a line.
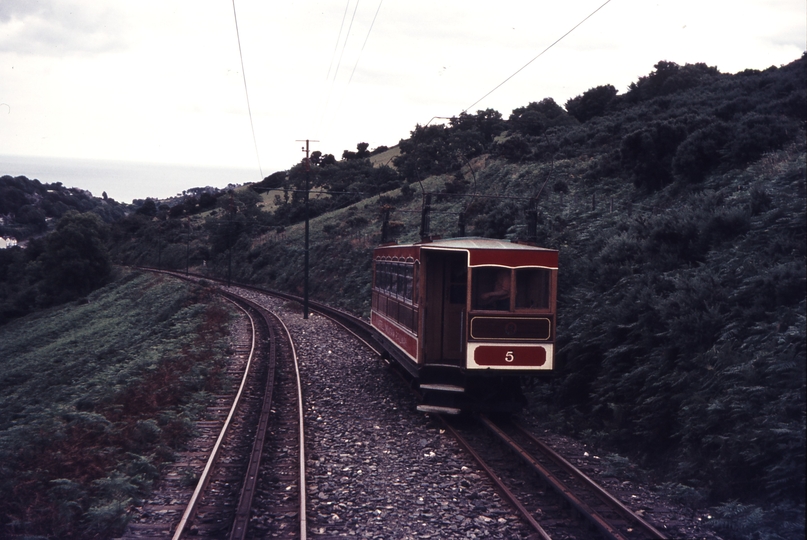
x=467, y=318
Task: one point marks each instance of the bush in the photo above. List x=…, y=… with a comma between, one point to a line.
x=537, y=117
x=702, y=152
x=648, y=153
x=591, y=103
x=757, y=134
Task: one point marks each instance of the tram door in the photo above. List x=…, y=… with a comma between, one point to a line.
x=446, y=287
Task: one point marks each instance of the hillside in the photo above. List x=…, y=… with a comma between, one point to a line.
x=27, y=207
x=678, y=209
x=95, y=397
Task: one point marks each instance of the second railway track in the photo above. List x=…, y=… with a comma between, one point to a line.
x=561, y=487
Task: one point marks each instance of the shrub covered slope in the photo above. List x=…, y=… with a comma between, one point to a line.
x=94, y=397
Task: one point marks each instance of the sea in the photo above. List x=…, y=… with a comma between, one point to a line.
x=124, y=181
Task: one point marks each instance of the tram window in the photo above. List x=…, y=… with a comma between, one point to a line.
x=396, y=279
x=408, y=275
x=415, y=297
x=400, y=270
x=532, y=288
x=392, y=279
x=491, y=288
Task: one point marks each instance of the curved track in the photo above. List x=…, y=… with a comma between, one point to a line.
x=233, y=447
x=243, y=509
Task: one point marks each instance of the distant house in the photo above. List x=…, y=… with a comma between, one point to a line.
x=7, y=242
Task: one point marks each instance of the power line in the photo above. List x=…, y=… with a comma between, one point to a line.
x=320, y=107
x=338, y=39
x=344, y=44
x=365, y=42
x=366, y=38
x=249, y=109
x=339, y=63
x=539, y=55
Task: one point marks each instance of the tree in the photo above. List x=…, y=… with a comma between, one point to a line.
x=488, y=123
x=76, y=260
x=669, y=78
x=425, y=152
x=149, y=208
x=277, y=179
x=648, y=153
x=537, y=117
x=591, y=103
x=362, y=152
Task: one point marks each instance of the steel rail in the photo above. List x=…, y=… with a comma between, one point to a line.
x=608, y=530
x=509, y=495
x=302, y=516
x=347, y=320
x=322, y=309
x=190, y=510
x=244, y=508
x=564, y=491
x=612, y=501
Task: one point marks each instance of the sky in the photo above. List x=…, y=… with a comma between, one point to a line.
x=161, y=81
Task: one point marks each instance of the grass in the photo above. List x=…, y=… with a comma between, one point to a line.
x=94, y=397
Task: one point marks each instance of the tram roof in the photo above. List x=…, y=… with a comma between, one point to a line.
x=482, y=251
x=473, y=242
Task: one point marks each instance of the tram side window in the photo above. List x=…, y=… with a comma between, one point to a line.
x=491, y=288
x=408, y=272
x=532, y=288
x=396, y=279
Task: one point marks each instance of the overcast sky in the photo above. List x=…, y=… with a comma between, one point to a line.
x=161, y=80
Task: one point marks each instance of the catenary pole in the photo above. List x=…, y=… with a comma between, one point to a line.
x=305, y=278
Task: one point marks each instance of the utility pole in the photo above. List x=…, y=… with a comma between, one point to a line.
x=188, y=246
x=232, y=210
x=307, y=174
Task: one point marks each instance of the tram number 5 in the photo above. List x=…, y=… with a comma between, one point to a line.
x=509, y=356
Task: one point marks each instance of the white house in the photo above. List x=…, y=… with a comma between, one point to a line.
x=7, y=242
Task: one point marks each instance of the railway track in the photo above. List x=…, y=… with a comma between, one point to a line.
x=564, y=487
x=263, y=416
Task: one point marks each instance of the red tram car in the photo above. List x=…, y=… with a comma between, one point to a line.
x=467, y=317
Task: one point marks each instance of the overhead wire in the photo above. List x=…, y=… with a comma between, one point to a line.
x=321, y=108
x=338, y=39
x=246, y=92
x=358, y=58
x=538, y=56
x=347, y=36
x=339, y=63
x=367, y=37
x=361, y=52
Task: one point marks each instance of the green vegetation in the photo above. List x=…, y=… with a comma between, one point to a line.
x=27, y=206
x=67, y=264
x=94, y=397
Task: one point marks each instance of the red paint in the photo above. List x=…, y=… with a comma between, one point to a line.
x=400, y=337
x=515, y=258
